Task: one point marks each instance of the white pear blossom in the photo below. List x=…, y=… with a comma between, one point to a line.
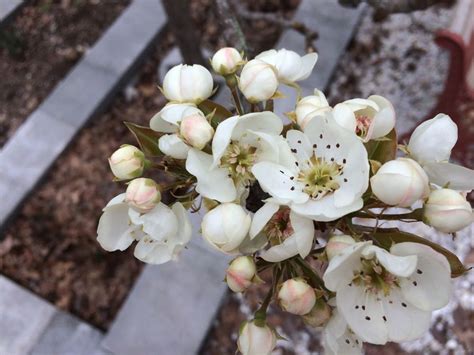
x=256, y=340
x=127, y=162
x=339, y=339
x=239, y=142
x=225, y=227
x=296, y=296
x=258, y=81
x=370, y=118
x=311, y=106
x=400, y=182
x=226, y=61
x=188, y=83
x=241, y=273
x=327, y=176
x=389, y=296
x=290, y=66
x=187, y=127
x=161, y=233
x=143, y=194
x=288, y=233
x=431, y=144
x=447, y=210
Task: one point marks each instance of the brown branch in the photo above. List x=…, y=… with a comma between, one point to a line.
x=309, y=35
x=185, y=33
x=231, y=28
x=394, y=6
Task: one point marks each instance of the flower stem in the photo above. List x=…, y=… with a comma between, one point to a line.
x=261, y=314
x=314, y=278
x=414, y=215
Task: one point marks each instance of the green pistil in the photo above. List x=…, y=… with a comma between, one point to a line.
x=238, y=160
x=319, y=178
x=375, y=278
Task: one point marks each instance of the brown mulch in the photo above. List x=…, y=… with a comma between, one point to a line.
x=50, y=247
x=40, y=46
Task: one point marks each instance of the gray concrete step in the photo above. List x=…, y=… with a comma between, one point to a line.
x=30, y=325
x=85, y=91
x=8, y=9
x=171, y=306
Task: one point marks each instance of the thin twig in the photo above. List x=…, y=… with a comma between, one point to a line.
x=232, y=32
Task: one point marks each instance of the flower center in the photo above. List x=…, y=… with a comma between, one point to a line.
x=319, y=178
x=375, y=278
x=238, y=160
x=362, y=125
x=279, y=227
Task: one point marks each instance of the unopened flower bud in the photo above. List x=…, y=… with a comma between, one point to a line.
x=337, y=244
x=226, y=61
x=226, y=226
x=188, y=83
x=143, y=194
x=400, y=182
x=319, y=314
x=240, y=273
x=447, y=211
x=296, y=296
x=258, y=81
x=256, y=340
x=127, y=162
x=309, y=106
x=196, y=130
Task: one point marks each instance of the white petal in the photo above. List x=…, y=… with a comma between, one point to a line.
x=116, y=200
x=213, y=183
x=308, y=62
x=167, y=120
x=402, y=266
x=458, y=177
x=222, y=138
x=261, y=218
x=341, y=268
x=114, y=231
x=152, y=252
x=266, y=122
x=362, y=104
x=325, y=210
x=363, y=313
x=160, y=223
x=429, y=287
x=345, y=117
x=301, y=147
x=403, y=321
x=268, y=147
x=172, y=145
x=384, y=120
x=279, y=182
x=184, y=224
x=281, y=252
x=433, y=140
x=338, y=339
x=303, y=233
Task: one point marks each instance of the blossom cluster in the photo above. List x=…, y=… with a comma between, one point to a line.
x=290, y=196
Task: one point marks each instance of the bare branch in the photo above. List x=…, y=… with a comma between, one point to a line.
x=310, y=35
x=394, y=6
x=231, y=28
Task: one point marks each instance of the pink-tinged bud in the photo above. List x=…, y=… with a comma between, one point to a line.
x=258, y=81
x=296, y=296
x=127, y=162
x=400, y=182
x=143, y=194
x=240, y=273
x=196, y=130
x=337, y=244
x=256, y=340
x=319, y=315
x=226, y=61
x=447, y=211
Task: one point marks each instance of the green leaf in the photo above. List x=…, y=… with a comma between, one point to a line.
x=220, y=112
x=146, y=138
x=387, y=237
x=384, y=149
